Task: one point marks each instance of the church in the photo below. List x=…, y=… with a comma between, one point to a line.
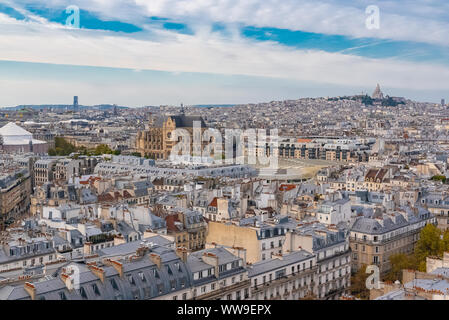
x=14, y=139
x=156, y=141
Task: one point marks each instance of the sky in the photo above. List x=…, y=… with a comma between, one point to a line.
x=157, y=52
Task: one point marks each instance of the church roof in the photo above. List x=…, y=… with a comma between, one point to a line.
x=12, y=134
x=11, y=129
x=181, y=121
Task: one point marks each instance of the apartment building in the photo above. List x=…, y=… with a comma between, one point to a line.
x=287, y=276
x=438, y=204
x=15, y=190
x=375, y=238
x=333, y=259
x=152, y=272
x=44, y=171
x=261, y=240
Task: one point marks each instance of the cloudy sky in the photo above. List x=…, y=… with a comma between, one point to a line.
x=152, y=52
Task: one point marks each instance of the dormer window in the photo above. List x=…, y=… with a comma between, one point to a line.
x=169, y=270
x=95, y=289
x=83, y=293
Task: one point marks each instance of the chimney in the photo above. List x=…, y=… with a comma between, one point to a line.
x=140, y=252
x=408, y=275
x=30, y=289
x=211, y=259
x=380, y=220
x=87, y=250
x=67, y=281
x=118, y=267
x=99, y=272
x=182, y=253
x=156, y=259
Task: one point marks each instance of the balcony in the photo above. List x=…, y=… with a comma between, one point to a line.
x=285, y=279
x=221, y=292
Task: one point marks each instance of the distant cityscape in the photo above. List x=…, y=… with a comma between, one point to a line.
x=91, y=193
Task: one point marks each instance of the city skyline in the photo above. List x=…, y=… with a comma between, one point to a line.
x=139, y=53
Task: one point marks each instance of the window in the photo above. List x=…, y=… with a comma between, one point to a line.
x=83, y=293
x=62, y=295
x=169, y=270
x=142, y=277
x=113, y=284
x=184, y=296
x=95, y=289
x=131, y=279
x=237, y=296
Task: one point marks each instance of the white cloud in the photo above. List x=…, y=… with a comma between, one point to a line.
x=209, y=53
x=418, y=20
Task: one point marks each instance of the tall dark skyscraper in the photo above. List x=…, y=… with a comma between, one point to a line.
x=75, y=104
x=443, y=102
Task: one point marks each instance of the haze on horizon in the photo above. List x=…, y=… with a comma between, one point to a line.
x=167, y=52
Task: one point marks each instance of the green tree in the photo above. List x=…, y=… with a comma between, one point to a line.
x=102, y=149
x=358, y=283
x=62, y=148
x=439, y=178
x=430, y=243
x=398, y=263
x=445, y=242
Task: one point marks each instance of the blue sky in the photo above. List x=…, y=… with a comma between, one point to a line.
x=151, y=52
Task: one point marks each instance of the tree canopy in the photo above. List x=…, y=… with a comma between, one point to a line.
x=65, y=148
x=432, y=242
x=358, y=283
